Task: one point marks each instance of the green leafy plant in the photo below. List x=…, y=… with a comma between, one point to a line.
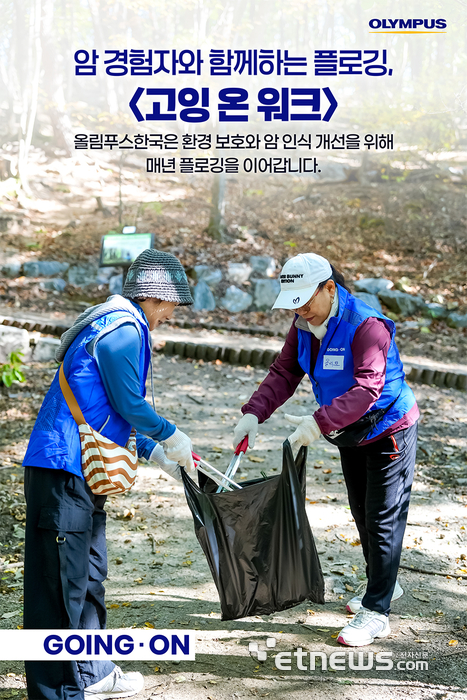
x=12, y=371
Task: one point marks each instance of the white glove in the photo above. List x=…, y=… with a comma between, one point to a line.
x=171, y=468
x=307, y=431
x=247, y=425
x=178, y=447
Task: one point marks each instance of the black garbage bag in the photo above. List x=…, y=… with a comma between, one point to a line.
x=258, y=541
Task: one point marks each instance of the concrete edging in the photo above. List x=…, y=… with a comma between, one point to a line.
x=433, y=374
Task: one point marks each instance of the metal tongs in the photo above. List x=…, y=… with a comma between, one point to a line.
x=223, y=480
x=234, y=464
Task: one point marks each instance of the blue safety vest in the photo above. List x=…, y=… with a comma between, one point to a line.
x=332, y=374
x=55, y=441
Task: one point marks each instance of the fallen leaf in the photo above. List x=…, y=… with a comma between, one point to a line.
x=334, y=636
x=349, y=587
x=126, y=605
x=149, y=625
x=327, y=471
x=6, y=616
x=112, y=606
x=319, y=629
x=256, y=459
x=422, y=641
x=421, y=596
x=216, y=449
x=180, y=679
x=453, y=642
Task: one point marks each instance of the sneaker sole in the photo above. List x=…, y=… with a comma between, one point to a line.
x=381, y=635
x=108, y=695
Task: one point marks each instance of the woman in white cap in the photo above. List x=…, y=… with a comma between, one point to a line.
x=366, y=408
x=106, y=355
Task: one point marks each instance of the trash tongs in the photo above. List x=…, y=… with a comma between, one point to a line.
x=234, y=463
x=223, y=480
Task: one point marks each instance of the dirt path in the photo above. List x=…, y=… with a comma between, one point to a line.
x=158, y=574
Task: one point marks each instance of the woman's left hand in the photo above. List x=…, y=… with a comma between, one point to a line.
x=169, y=466
x=307, y=430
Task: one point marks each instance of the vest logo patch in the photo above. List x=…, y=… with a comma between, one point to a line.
x=333, y=362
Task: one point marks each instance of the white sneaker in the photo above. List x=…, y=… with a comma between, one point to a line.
x=116, y=685
x=366, y=626
x=355, y=604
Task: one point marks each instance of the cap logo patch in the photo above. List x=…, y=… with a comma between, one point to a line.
x=290, y=279
x=296, y=300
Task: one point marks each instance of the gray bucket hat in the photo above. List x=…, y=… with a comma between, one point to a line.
x=158, y=275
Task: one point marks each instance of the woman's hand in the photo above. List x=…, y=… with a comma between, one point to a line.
x=171, y=468
x=307, y=430
x=247, y=425
x=178, y=448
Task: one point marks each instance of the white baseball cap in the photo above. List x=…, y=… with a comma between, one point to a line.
x=300, y=278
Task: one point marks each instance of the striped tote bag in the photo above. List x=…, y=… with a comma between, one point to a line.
x=108, y=468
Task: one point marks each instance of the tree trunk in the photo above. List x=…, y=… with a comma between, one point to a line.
x=29, y=89
x=108, y=83
x=216, y=227
x=53, y=82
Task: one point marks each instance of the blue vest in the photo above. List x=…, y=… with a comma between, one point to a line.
x=332, y=374
x=54, y=441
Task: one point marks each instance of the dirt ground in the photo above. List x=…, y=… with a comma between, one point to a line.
x=158, y=575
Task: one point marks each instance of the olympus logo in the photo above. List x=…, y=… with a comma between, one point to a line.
x=412, y=24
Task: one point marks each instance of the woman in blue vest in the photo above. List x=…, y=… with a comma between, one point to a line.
x=366, y=408
x=106, y=355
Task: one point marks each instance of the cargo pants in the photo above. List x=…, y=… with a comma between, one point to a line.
x=379, y=479
x=65, y=564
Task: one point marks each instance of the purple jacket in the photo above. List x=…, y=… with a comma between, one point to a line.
x=369, y=349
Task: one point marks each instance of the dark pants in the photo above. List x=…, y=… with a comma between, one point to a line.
x=379, y=478
x=65, y=564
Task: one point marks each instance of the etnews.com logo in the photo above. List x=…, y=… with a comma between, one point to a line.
x=337, y=660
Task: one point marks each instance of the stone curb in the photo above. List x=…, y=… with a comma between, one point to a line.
x=433, y=374
x=256, y=357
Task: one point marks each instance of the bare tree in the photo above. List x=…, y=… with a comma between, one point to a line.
x=27, y=40
x=53, y=81
x=216, y=226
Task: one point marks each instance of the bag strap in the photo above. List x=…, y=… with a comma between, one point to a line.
x=70, y=398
